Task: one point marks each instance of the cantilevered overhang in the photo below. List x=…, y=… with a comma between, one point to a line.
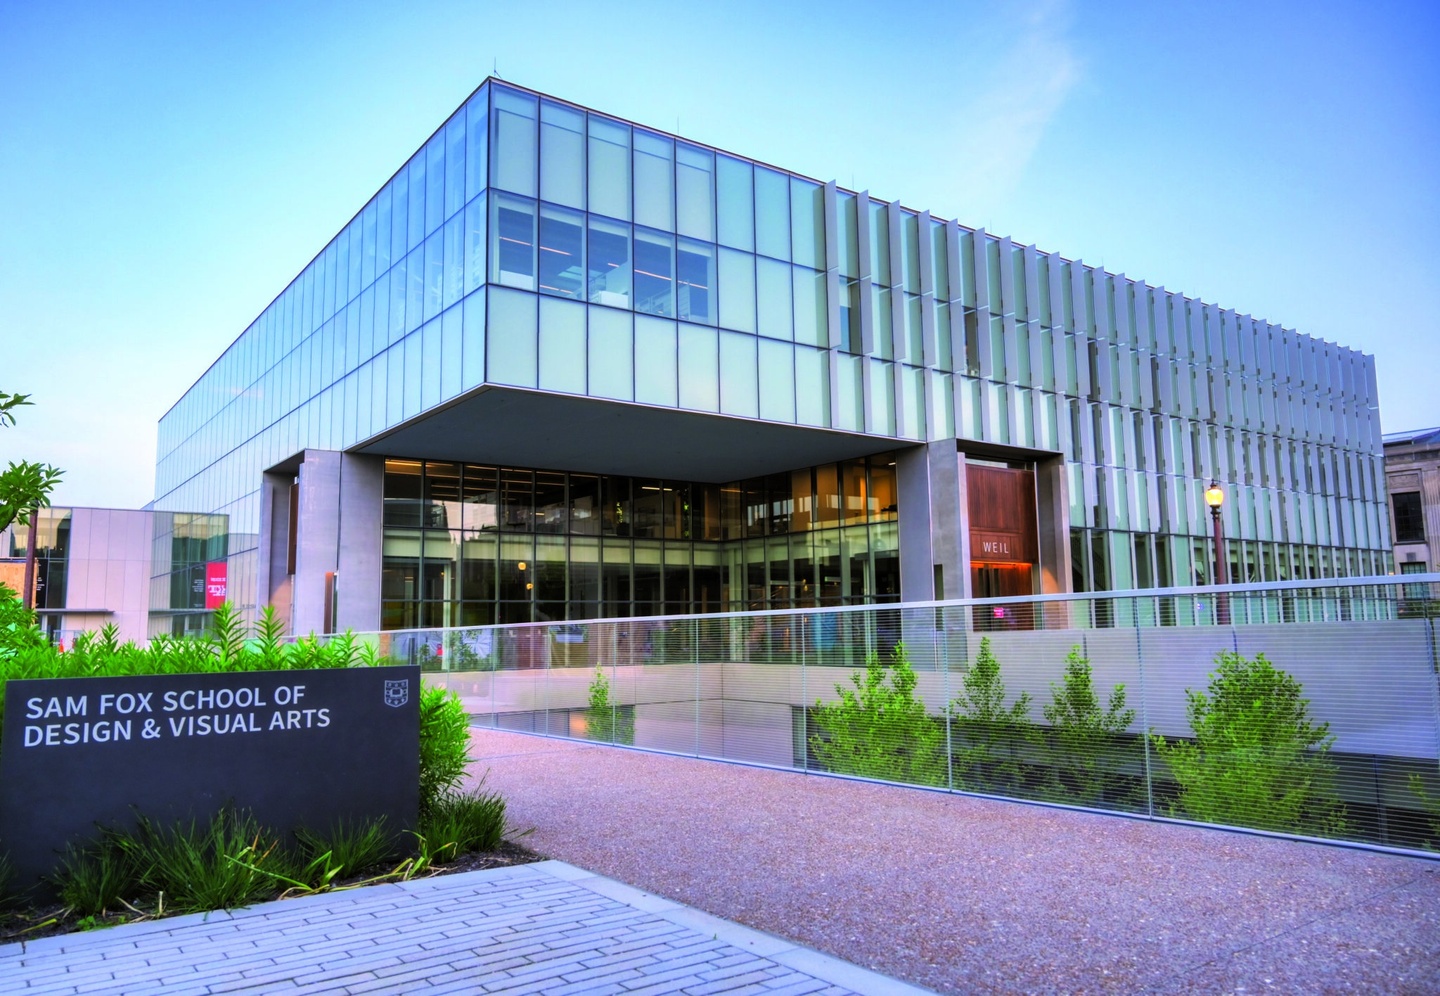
x=520, y=428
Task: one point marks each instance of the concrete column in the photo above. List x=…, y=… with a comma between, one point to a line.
x=1052, y=499
x=934, y=539
x=317, y=537
x=362, y=498
x=272, y=580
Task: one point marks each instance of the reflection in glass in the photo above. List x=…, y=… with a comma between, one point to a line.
x=654, y=272
x=695, y=272
x=513, y=254
x=608, y=268
x=561, y=260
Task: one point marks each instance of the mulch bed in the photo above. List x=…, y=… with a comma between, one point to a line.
x=31, y=923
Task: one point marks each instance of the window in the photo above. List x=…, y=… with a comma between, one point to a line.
x=1409, y=517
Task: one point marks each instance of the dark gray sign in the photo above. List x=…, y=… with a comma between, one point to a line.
x=296, y=748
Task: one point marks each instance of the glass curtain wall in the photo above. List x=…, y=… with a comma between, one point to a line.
x=536, y=244
x=467, y=544
x=52, y=550
x=183, y=544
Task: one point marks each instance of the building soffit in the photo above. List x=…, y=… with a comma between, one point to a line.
x=521, y=428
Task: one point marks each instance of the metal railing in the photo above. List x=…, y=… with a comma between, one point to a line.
x=1113, y=701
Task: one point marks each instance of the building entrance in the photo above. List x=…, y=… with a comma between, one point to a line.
x=1004, y=549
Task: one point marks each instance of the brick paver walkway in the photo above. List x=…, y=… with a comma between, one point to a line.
x=541, y=928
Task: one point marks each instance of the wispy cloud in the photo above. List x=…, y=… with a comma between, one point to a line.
x=1018, y=94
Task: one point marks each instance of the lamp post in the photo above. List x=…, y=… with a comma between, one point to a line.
x=1215, y=497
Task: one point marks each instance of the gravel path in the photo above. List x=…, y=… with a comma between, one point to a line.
x=972, y=895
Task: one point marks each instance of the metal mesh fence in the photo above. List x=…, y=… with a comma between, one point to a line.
x=1306, y=708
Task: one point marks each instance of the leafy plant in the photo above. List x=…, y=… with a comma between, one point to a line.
x=463, y=822
x=348, y=849
x=96, y=879
x=879, y=728
x=1256, y=759
x=1430, y=804
x=990, y=736
x=444, y=746
x=1083, y=734
x=604, y=720
x=230, y=862
x=24, y=486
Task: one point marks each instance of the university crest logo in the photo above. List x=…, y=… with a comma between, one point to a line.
x=397, y=693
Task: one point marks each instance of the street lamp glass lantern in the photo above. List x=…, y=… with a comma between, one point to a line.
x=1214, y=496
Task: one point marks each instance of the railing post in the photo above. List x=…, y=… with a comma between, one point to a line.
x=1145, y=724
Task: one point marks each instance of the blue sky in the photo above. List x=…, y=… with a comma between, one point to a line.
x=166, y=168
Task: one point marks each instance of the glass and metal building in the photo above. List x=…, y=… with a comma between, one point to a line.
x=564, y=366
x=145, y=572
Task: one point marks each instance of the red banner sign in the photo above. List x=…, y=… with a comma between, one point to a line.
x=216, y=585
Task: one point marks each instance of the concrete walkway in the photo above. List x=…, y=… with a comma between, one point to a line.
x=541, y=928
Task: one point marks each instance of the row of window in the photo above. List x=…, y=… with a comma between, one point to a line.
x=451, y=171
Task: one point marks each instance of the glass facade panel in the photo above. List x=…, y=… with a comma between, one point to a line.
x=811, y=324
x=513, y=253
x=654, y=272
x=609, y=167
x=773, y=291
x=736, y=203
x=655, y=362
x=512, y=338
x=513, y=166
x=699, y=372
x=478, y=543
x=562, y=155
x=737, y=290
x=611, y=354
x=695, y=281
x=608, y=265
x=772, y=213
x=695, y=192
x=738, y=375
x=562, y=347
x=654, y=180
x=777, y=381
x=807, y=223
x=562, y=256
x=391, y=318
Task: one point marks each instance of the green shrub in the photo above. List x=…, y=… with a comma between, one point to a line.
x=604, y=720
x=879, y=729
x=444, y=746
x=348, y=849
x=230, y=862
x=463, y=822
x=989, y=737
x=1082, y=734
x=1256, y=759
x=93, y=880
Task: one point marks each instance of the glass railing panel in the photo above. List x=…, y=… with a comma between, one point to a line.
x=1305, y=708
